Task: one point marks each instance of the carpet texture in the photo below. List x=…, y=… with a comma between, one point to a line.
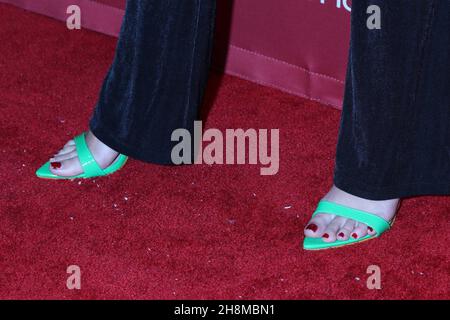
x=192, y=232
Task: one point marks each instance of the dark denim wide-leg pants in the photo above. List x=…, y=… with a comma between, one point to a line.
x=157, y=78
x=394, y=138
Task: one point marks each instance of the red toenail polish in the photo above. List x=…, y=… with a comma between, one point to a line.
x=370, y=229
x=354, y=235
x=341, y=235
x=325, y=235
x=56, y=165
x=312, y=227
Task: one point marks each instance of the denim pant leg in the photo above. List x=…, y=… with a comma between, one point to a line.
x=157, y=79
x=394, y=138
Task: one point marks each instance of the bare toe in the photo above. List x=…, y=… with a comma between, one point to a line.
x=317, y=225
x=64, y=156
x=330, y=234
x=66, y=168
x=345, y=231
x=65, y=150
x=371, y=231
x=359, y=231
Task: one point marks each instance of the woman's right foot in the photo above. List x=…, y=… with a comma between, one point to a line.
x=66, y=163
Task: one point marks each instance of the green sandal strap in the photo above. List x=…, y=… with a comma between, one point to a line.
x=378, y=224
x=88, y=163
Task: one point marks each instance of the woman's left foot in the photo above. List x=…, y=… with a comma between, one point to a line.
x=331, y=227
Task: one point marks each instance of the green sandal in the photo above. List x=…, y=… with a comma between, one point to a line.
x=88, y=163
x=378, y=224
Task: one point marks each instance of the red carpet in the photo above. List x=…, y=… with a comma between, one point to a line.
x=189, y=232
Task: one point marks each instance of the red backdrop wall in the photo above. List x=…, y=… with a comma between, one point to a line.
x=299, y=46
